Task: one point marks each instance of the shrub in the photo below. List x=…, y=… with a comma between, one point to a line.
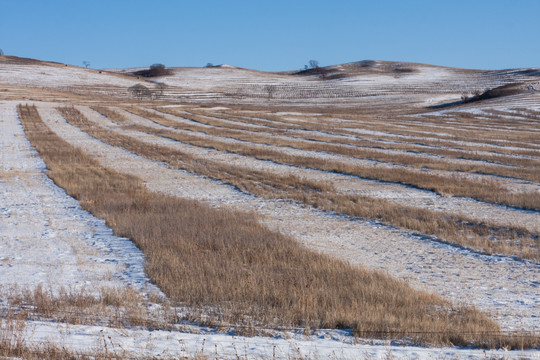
x=153, y=71
x=140, y=91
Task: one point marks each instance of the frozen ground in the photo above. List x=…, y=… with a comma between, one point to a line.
x=45, y=237
x=505, y=288
x=323, y=345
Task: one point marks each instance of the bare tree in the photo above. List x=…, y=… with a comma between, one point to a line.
x=154, y=70
x=313, y=64
x=1, y=52
x=158, y=70
x=86, y=63
x=140, y=91
x=161, y=88
x=270, y=90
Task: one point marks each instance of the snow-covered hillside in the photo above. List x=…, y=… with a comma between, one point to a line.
x=331, y=125
x=354, y=84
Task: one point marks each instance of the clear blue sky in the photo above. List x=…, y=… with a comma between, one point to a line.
x=273, y=34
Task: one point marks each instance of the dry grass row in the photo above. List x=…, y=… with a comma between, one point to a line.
x=229, y=264
x=429, y=129
x=110, y=114
x=490, y=118
x=325, y=137
x=459, y=230
x=369, y=149
x=266, y=183
x=499, y=121
x=319, y=124
x=499, y=159
x=421, y=126
x=458, y=127
x=457, y=185
x=527, y=169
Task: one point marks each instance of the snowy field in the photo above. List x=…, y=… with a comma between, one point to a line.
x=501, y=285
x=175, y=344
x=46, y=237
x=47, y=240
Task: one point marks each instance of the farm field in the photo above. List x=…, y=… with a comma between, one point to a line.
x=364, y=212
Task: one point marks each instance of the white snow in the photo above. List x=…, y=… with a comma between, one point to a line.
x=59, y=77
x=45, y=236
x=217, y=108
x=323, y=345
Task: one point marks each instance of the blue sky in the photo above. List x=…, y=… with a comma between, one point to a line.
x=273, y=35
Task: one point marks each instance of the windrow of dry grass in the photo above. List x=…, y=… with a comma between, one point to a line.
x=454, y=229
x=500, y=129
x=456, y=185
x=371, y=123
x=363, y=144
x=430, y=126
x=110, y=114
x=452, y=125
x=458, y=127
x=113, y=307
x=528, y=169
x=492, y=119
x=228, y=264
x=433, y=140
